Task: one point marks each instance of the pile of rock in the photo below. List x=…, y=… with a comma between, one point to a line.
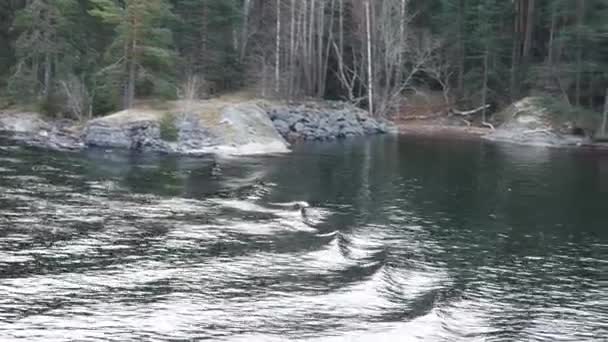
x=326, y=121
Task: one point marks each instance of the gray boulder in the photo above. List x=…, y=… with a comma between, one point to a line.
x=25, y=123
x=198, y=128
x=528, y=122
x=282, y=127
x=32, y=129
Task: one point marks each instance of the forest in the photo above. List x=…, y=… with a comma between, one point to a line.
x=82, y=58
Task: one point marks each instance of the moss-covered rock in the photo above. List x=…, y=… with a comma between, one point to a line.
x=532, y=121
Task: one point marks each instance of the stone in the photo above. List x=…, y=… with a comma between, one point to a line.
x=18, y=122
x=242, y=128
x=281, y=126
x=298, y=127
x=326, y=121
x=528, y=122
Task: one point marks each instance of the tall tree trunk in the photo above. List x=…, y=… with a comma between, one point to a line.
x=398, y=77
x=203, y=46
x=341, y=29
x=551, y=48
x=516, y=49
x=330, y=39
x=245, y=29
x=131, y=67
x=605, y=119
x=370, y=77
x=311, y=46
x=306, y=39
x=277, y=66
x=319, y=63
x=580, y=17
x=292, y=48
x=530, y=13
x=130, y=88
x=47, y=75
x=461, y=46
x=484, y=94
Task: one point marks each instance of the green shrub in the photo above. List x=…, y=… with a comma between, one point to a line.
x=563, y=112
x=168, y=130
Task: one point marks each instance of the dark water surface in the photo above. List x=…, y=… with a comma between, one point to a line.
x=404, y=241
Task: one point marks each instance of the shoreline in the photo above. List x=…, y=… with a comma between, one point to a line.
x=443, y=131
x=447, y=132
x=213, y=126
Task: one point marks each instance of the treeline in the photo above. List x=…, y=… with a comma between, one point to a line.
x=88, y=57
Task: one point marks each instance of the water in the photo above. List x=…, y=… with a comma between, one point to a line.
x=404, y=240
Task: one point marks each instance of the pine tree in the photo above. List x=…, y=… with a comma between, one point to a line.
x=40, y=47
x=7, y=13
x=207, y=34
x=141, y=48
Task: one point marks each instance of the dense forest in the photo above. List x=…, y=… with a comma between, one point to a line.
x=90, y=57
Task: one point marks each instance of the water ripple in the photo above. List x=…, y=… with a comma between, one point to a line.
x=88, y=255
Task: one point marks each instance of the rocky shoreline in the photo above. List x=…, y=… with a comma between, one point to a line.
x=200, y=127
x=260, y=127
x=527, y=122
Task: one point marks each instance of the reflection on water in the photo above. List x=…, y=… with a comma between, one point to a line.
x=378, y=240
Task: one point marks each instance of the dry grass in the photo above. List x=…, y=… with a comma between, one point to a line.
x=208, y=110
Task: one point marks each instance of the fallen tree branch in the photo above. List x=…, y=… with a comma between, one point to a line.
x=489, y=125
x=540, y=130
x=469, y=112
x=422, y=117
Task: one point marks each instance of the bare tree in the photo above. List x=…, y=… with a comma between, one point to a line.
x=370, y=74
x=78, y=100
x=439, y=69
x=277, y=66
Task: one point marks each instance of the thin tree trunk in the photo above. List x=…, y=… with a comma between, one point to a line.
x=580, y=16
x=398, y=72
x=311, y=40
x=330, y=39
x=292, y=48
x=605, y=119
x=341, y=30
x=529, y=30
x=461, y=46
x=370, y=77
x=552, y=35
x=47, y=75
x=131, y=69
x=341, y=43
x=484, y=93
x=130, y=89
x=516, y=50
x=277, y=66
x=203, y=46
x=306, y=38
x=245, y=29
x=319, y=64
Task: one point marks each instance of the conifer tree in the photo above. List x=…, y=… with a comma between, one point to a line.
x=40, y=47
x=141, y=48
